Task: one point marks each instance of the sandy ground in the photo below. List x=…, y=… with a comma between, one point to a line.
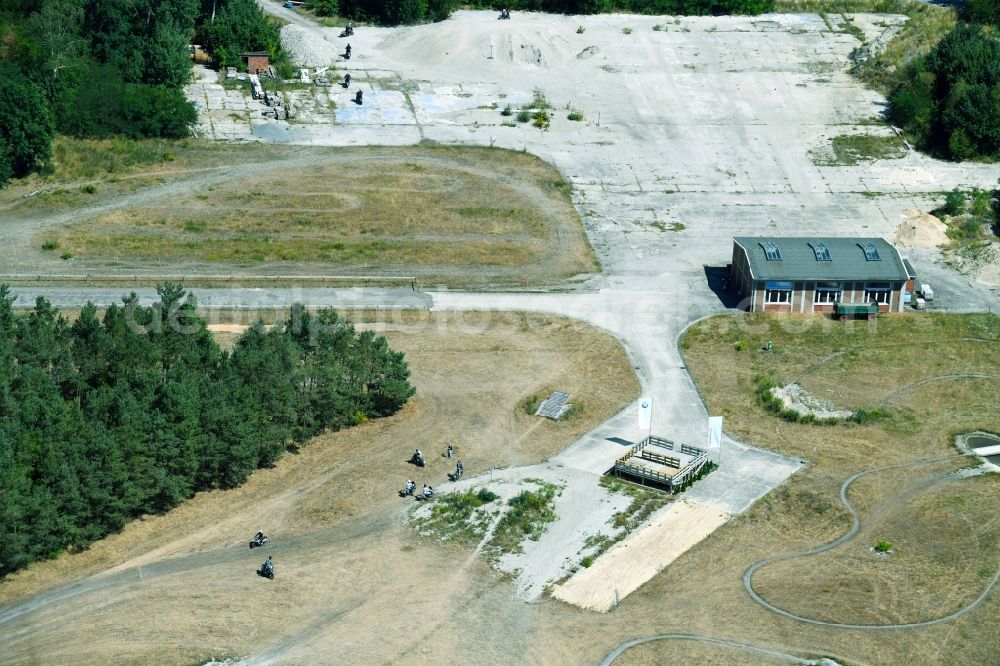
x=631, y=562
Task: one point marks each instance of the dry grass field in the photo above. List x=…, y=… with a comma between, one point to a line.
x=457, y=216
x=353, y=582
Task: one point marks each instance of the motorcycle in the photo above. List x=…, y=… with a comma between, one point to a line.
x=407, y=491
x=417, y=459
x=258, y=540
x=267, y=569
x=428, y=493
x=457, y=474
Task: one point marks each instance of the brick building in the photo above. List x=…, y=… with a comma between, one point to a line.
x=812, y=274
x=256, y=61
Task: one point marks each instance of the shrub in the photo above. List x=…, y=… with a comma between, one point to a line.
x=587, y=561
x=66, y=255
x=954, y=202
x=50, y=245
x=531, y=405
x=485, y=495
x=88, y=188
x=575, y=116
x=882, y=547
x=523, y=116
x=507, y=111
x=626, y=31
x=579, y=30
x=542, y=120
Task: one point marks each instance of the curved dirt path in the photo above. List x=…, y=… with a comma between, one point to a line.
x=560, y=256
x=746, y=647
x=855, y=528
x=939, y=378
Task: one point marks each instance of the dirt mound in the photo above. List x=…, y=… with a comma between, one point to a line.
x=920, y=230
x=980, y=261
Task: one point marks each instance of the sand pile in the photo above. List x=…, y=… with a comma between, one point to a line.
x=921, y=230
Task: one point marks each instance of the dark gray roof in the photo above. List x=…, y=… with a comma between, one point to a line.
x=847, y=259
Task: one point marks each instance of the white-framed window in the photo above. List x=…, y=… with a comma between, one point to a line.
x=878, y=292
x=778, y=296
x=828, y=292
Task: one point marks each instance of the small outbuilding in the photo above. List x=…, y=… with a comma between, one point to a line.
x=815, y=274
x=256, y=61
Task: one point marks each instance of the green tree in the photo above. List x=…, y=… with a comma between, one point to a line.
x=26, y=126
x=239, y=26
x=983, y=11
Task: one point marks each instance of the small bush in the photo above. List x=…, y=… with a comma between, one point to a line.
x=741, y=345
x=882, y=546
x=531, y=405
x=50, y=245
x=88, y=189
x=658, y=27
x=575, y=116
x=485, y=495
x=538, y=100
x=626, y=31
x=954, y=202
x=66, y=255
x=587, y=561
x=522, y=116
x=579, y=30
x=507, y=111
x=542, y=119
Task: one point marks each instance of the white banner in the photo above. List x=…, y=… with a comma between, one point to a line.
x=645, y=413
x=714, y=431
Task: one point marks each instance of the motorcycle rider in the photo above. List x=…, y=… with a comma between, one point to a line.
x=428, y=491
x=410, y=487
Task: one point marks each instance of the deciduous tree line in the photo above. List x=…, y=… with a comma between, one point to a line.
x=112, y=416
x=949, y=99
x=395, y=12
x=100, y=68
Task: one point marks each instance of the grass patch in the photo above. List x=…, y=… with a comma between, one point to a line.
x=458, y=516
x=926, y=26
x=575, y=116
x=531, y=404
x=852, y=149
x=528, y=514
x=945, y=543
x=88, y=158
x=523, y=116
x=50, y=245
x=882, y=547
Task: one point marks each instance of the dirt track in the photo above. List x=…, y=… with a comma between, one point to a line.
x=123, y=233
